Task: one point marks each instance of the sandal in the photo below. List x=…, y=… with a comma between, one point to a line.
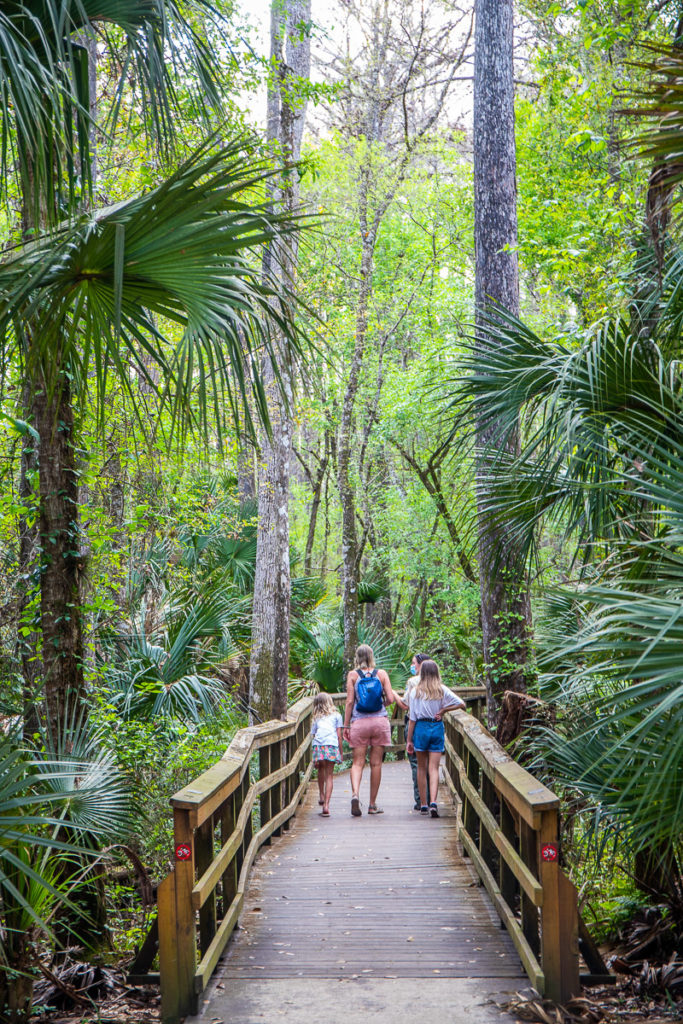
x=433, y=810
x=374, y=809
x=355, y=807
x=325, y=814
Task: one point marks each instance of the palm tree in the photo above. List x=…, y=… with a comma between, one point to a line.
x=601, y=460
x=53, y=808
x=82, y=298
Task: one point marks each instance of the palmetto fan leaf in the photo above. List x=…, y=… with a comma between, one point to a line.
x=585, y=412
x=184, y=252
x=160, y=48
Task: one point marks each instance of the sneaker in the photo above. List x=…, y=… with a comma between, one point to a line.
x=434, y=810
x=424, y=810
x=374, y=809
x=355, y=807
x=417, y=805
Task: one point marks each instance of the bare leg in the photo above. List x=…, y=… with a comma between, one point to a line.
x=422, y=775
x=434, y=760
x=375, y=772
x=357, y=769
x=321, y=782
x=329, y=766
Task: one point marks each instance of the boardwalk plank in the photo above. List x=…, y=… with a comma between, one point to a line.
x=384, y=896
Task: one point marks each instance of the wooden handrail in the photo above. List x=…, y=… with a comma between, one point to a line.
x=509, y=827
x=199, y=902
x=222, y=819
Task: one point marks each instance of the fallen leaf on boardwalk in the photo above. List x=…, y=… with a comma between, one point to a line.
x=410, y=939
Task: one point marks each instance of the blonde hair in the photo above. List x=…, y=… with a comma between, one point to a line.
x=322, y=705
x=429, y=685
x=365, y=657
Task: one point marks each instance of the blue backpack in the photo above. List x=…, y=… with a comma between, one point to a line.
x=369, y=693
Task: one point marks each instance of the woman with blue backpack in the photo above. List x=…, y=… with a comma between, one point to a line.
x=366, y=723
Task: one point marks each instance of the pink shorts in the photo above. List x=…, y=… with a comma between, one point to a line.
x=373, y=731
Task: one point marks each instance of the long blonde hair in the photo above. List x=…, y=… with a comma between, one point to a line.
x=365, y=657
x=322, y=705
x=429, y=685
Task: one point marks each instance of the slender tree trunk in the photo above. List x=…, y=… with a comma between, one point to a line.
x=349, y=565
x=28, y=642
x=246, y=479
x=269, y=669
x=60, y=609
x=505, y=611
x=318, y=483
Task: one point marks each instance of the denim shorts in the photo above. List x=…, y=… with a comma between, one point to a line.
x=429, y=736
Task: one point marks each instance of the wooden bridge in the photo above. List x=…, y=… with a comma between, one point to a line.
x=388, y=896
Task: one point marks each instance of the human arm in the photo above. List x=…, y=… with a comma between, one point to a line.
x=390, y=695
x=450, y=702
x=350, y=701
x=340, y=739
x=410, y=749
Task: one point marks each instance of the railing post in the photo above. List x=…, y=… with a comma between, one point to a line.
x=228, y=819
x=276, y=791
x=168, y=951
x=487, y=847
x=287, y=786
x=559, y=917
x=469, y=814
x=203, y=857
x=185, y=916
x=529, y=853
x=507, y=882
x=265, y=798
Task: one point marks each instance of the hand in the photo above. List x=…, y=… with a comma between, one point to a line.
x=347, y=734
x=437, y=718
x=410, y=747
x=402, y=704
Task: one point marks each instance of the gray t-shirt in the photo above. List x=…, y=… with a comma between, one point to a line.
x=422, y=708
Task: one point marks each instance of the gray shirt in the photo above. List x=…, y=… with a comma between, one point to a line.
x=422, y=708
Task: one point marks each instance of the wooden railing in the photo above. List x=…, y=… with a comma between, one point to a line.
x=222, y=818
x=218, y=829
x=510, y=829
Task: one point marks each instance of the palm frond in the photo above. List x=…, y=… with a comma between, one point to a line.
x=163, y=51
x=185, y=252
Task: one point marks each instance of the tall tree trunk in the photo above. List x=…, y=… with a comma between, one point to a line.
x=349, y=564
x=318, y=483
x=505, y=610
x=269, y=669
x=246, y=480
x=60, y=607
x=29, y=574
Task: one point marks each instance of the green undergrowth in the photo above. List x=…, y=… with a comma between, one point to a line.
x=161, y=756
x=608, y=896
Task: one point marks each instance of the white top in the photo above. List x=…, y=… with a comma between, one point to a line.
x=324, y=730
x=411, y=683
x=422, y=708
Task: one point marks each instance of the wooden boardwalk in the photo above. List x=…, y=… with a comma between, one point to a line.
x=376, y=897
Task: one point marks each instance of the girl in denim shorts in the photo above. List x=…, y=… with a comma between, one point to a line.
x=326, y=731
x=428, y=701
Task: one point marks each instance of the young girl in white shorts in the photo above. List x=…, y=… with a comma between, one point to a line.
x=326, y=731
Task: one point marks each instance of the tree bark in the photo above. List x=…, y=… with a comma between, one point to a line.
x=269, y=668
x=350, y=559
x=505, y=609
x=60, y=607
x=29, y=575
